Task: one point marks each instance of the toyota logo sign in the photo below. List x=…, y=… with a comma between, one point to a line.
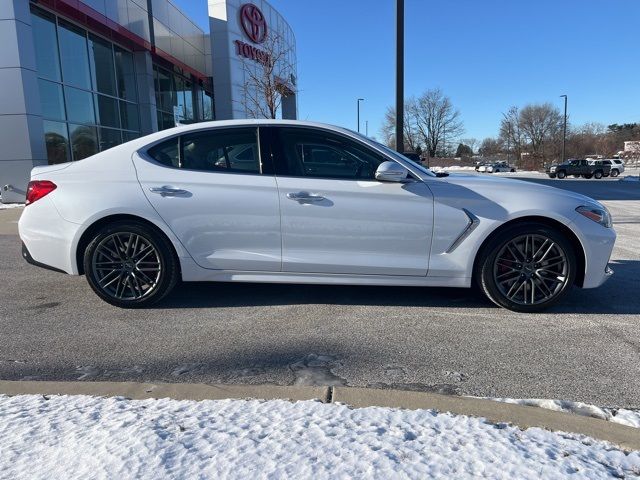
x=253, y=23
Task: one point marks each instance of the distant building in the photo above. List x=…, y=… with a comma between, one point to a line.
x=633, y=146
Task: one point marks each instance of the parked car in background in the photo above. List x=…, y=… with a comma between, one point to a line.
x=579, y=168
x=617, y=166
x=304, y=203
x=496, y=167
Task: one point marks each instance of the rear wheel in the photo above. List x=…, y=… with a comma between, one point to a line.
x=615, y=173
x=527, y=268
x=129, y=265
x=561, y=174
x=598, y=174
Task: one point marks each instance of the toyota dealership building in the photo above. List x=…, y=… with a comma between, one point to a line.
x=81, y=76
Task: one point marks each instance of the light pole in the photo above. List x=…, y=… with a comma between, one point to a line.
x=358, y=108
x=564, y=130
x=509, y=143
x=400, y=75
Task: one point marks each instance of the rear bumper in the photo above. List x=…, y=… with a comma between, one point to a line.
x=29, y=259
x=47, y=237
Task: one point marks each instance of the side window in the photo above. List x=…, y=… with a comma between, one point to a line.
x=313, y=153
x=232, y=150
x=166, y=153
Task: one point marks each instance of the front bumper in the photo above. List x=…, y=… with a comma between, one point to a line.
x=597, y=242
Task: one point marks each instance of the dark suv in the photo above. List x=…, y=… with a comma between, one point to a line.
x=579, y=168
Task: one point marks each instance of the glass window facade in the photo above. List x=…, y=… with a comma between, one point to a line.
x=175, y=91
x=87, y=89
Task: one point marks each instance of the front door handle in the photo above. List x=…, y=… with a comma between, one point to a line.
x=304, y=197
x=168, y=191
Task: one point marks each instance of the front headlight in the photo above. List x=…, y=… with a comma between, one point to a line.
x=598, y=214
x=553, y=169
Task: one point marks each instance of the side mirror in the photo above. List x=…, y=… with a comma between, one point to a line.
x=391, y=172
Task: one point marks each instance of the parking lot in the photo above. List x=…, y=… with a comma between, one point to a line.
x=52, y=327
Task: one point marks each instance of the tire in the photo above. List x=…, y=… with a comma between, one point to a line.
x=615, y=173
x=598, y=174
x=561, y=174
x=129, y=265
x=576, y=176
x=513, y=170
x=587, y=176
x=494, y=270
x=552, y=175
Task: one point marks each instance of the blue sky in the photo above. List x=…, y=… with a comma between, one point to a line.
x=485, y=54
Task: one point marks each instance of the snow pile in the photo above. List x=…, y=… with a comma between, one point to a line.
x=82, y=437
x=630, y=178
x=455, y=167
x=630, y=418
x=6, y=206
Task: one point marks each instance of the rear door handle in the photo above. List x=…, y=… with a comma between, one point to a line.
x=168, y=191
x=304, y=197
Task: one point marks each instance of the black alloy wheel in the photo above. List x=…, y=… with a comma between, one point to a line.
x=129, y=265
x=527, y=268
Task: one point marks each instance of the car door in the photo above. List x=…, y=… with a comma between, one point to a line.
x=217, y=196
x=337, y=218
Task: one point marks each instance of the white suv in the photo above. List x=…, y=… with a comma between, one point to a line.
x=617, y=166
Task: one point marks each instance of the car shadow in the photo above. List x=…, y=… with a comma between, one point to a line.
x=616, y=296
x=237, y=294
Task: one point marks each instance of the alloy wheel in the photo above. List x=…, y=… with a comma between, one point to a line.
x=531, y=269
x=126, y=266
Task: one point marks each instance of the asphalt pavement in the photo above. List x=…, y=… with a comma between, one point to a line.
x=52, y=327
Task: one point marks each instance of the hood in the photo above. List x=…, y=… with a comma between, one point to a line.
x=502, y=189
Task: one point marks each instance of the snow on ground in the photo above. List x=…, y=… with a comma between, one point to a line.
x=6, y=206
x=630, y=178
x=92, y=437
x=630, y=418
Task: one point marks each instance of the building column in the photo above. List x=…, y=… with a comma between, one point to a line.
x=146, y=92
x=21, y=129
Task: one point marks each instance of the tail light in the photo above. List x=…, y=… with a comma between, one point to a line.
x=38, y=189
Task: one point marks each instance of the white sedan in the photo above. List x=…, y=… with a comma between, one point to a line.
x=300, y=202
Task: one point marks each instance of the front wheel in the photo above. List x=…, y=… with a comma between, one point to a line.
x=552, y=175
x=527, y=268
x=129, y=265
x=598, y=174
x=561, y=174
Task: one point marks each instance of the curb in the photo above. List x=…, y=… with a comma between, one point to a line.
x=495, y=412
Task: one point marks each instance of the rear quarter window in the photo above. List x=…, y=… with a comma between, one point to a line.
x=166, y=153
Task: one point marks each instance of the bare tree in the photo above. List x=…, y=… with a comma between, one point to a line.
x=267, y=76
x=436, y=120
x=539, y=124
x=511, y=133
x=473, y=144
x=412, y=141
x=491, y=147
